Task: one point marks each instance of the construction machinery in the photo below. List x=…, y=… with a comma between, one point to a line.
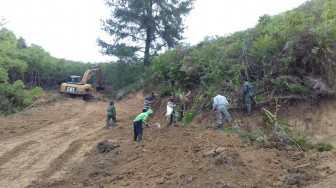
x=83, y=86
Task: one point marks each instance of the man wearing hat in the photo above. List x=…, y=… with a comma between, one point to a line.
x=248, y=94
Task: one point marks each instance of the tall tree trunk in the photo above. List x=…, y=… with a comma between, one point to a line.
x=148, y=42
x=149, y=33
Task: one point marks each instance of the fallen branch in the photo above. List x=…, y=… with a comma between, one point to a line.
x=30, y=106
x=305, y=165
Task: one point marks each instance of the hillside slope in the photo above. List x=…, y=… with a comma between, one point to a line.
x=56, y=146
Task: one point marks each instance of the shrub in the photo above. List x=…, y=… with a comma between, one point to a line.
x=321, y=147
x=189, y=116
x=302, y=143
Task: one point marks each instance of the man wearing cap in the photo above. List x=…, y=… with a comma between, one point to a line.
x=137, y=123
x=146, y=105
x=248, y=94
x=220, y=104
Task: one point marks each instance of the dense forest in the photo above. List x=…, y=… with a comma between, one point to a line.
x=287, y=55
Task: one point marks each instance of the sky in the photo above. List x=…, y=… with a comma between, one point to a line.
x=69, y=28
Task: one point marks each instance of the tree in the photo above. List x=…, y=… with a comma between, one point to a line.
x=3, y=22
x=143, y=26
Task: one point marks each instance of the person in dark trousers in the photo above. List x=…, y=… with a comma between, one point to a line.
x=248, y=94
x=141, y=118
x=111, y=114
x=170, y=111
x=146, y=105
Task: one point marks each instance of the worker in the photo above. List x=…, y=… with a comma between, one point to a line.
x=220, y=104
x=152, y=100
x=141, y=118
x=170, y=110
x=111, y=114
x=146, y=105
x=248, y=94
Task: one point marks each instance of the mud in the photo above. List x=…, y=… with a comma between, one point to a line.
x=56, y=146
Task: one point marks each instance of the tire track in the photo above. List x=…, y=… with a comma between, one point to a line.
x=53, y=149
x=57, y=164
x=16, y=151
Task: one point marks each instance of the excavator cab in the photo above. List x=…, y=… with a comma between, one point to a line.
x=74, y=80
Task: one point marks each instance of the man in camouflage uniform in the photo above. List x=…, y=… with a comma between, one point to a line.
x=248, y=94
x=111, y=114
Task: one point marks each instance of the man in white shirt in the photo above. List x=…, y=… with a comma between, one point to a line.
x=220, y=104
x=170, y=111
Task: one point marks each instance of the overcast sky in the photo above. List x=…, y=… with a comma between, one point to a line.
x=69, y=28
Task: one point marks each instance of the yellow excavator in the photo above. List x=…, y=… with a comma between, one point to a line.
x=83, y=86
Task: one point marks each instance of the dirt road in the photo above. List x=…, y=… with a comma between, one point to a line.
x=55, y=146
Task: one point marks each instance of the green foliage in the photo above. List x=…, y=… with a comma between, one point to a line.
x=299, y=89
x=302, y=143
x=3, y=75
x=149, y=25
x=14, y=97
x=289, y=135
x=189, y=116
x=290, y=84
x=321, y=147
x=230, y=130
x=23, y=67
x=258, y=98
x=275, y=125
x=32, y=94
x=277, y=55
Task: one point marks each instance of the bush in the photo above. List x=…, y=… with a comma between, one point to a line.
x=189, y=116
x=14, y=97
x=321, y=147
x=302, y=143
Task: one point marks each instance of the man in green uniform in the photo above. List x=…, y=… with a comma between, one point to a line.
x=141, y=118
x=111, y=114
x=248, y=94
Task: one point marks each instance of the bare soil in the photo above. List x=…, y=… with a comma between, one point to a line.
x=66, y=145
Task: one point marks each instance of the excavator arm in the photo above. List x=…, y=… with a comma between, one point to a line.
x=94, y=71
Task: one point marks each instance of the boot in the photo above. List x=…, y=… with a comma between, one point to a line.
x=139, y=137
x=107, y=125
x=249, y=110
x=113, y=124
x=220, y=126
